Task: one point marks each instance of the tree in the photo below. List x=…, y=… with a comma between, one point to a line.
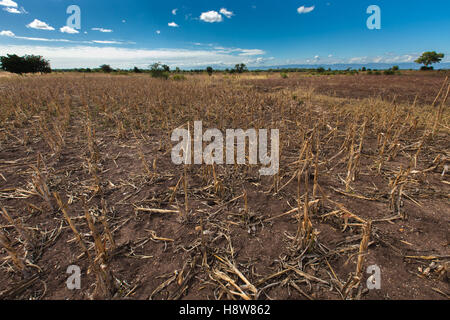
x=240, y=68
x=137, y=70
x=428, y=58
x=26, y=64
x=158, y=70
x=106, y=68
x=210, y=71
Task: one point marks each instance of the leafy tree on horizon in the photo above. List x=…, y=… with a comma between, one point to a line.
x=106, y=68
x=240, y=68
x=210, y=71
x=26, y=64
x=158, y=70
x=428, y=58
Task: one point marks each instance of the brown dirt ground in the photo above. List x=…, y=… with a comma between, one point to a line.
x=140, y=263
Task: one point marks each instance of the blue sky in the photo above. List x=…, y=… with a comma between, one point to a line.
x=223, y=32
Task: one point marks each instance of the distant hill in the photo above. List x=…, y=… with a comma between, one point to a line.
x=379, y=66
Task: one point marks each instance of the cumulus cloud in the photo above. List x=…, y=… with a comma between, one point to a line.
x=211, y=16
x=174, y=12
x=40, y=25
x=67, y=29
x=304, y=9
x=7, y=33
x=158, y=31
x=8, y=3
x=173, y=25
x=226, y=13
x=102, y=30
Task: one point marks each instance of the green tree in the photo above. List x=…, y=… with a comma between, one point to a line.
x=428, y=58
x=240, y=68
x=26, y=64
x=210, y=71
x=158, y=70
x=106, y=68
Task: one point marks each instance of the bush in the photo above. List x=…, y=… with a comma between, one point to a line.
x=178, y=77
x=284, y=75
x=210, y=71
x=395, y=68
x=389, y=72
x=26, y=64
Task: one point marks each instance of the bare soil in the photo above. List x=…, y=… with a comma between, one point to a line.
x=232, y=229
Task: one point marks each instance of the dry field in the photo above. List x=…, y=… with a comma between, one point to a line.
x=86, y=179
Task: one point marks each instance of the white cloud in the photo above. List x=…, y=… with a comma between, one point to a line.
x=174, y=12
x=11, y=34
x=67, y=29
x=304, y=9
x=8, y=3
x=173, y=25
x=226, y=13
x=7, y=33
x=93, y=56
x=240, y=52
x=106, y=42
x=158, y=31
x=124, y=21
x=40, y=25
x=102, y=30
x=250, y=52
x=12, y=10
x=211, y=17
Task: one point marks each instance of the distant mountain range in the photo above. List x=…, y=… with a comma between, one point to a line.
x=373, y=66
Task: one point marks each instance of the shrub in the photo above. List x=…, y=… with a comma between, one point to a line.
x=178, y=77
x=284, y=75
x=210, y=71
